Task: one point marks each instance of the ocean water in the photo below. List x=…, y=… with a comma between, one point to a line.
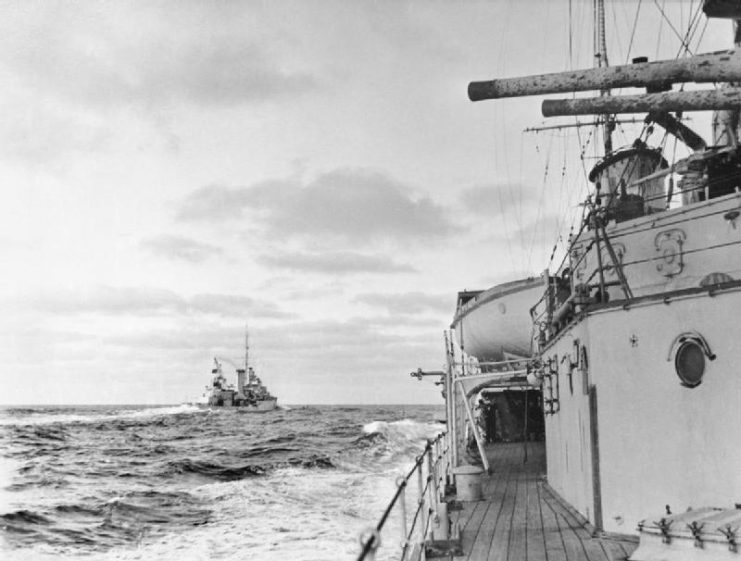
x=178, y=482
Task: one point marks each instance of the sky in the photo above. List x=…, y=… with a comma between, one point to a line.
x=173, y=171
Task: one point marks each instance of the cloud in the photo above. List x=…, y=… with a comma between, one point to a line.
x=335, y=262
x=106, y=300
x=39, y=133
x=178, y=247
x=235, y=306
x=217, y=202
x=496, y=199
x=409, y=303
x=355, y=205
x=144, y=301
x=326, y=345
x=104, y=55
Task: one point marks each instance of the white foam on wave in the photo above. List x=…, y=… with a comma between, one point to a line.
x=295, y=513
x=404, y=429
x=143, y=412
x=374, y=426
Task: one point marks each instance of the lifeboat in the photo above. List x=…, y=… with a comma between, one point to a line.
x=495, y=324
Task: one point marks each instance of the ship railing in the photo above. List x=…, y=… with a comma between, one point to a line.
x=691, y=193
x=431, y=470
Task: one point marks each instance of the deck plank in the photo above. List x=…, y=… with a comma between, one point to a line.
x=518, y=529
x=499, y=543
x=617, y=550
x=554, y=544
x=469, y=533
x=612, y=549
x=520, y=519
x=535, y=541
x=593, y=550
x=571, y=542
x=495, y=496
x=466, y=513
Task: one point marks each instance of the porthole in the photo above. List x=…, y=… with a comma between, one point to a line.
x=689, y=362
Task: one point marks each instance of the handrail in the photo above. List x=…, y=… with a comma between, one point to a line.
x=371, y=539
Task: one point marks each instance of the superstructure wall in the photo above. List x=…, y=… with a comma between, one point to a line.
x=658, y=442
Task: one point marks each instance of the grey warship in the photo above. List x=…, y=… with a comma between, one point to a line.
x=249, y=393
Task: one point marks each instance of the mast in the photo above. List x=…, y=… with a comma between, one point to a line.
x=246, y=349
x=608, y=121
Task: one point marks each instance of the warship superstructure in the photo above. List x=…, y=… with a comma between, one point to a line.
x=248, y=393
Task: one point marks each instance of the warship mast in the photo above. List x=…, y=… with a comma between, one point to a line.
x=246, y=348
x=243, y=373
x=600, y=47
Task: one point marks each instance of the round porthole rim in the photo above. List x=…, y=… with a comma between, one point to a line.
x=693, y=336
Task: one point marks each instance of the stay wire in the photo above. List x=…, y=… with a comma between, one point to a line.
x=671, y=26
x=633, y=32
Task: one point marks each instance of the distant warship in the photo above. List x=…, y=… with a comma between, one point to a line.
x=251, y=394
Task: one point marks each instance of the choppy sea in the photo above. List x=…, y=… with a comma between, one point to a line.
x=178, y=482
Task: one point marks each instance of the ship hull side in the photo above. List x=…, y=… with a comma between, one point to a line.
x=259, y=407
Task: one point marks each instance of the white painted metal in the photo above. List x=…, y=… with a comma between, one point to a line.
x=497, y=321
x=468, y=483
x=672, y=250
x=660, y=443
x=474, y=427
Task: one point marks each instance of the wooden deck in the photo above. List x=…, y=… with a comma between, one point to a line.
x=521, y=520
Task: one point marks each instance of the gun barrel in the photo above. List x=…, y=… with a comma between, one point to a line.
x=720, y=66
x=698, y=100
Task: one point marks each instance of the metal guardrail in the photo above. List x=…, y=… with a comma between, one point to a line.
x=428, y=499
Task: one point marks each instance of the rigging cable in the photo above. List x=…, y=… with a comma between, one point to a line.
x=519, y=208
x=540, y=203
x=633, y=32
x=674, y=29
x=704, y=29
x=504, y=41
x=616, y=35
x=658, y=35
x=691, y=30
x=571, y=42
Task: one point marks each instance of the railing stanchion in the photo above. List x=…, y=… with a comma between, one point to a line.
x=433, y=480
x=421, y=499
x=426, y=513
x=437, y=461
x=401, y=482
